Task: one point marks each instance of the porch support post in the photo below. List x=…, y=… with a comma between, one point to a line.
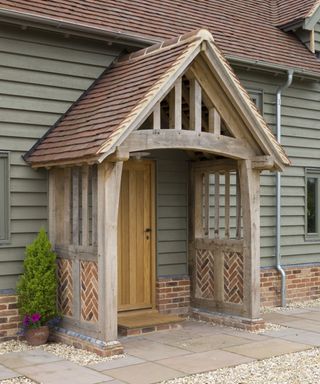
x=250, y=201
x=109, y=181
x=52, y=206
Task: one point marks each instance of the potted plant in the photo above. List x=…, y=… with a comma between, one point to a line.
x=37, y=290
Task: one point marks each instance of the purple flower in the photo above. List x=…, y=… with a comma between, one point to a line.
x=26, y=321
x=35, y=317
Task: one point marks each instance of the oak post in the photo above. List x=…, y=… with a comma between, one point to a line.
x=109, y=182
x=250, y=198
x=52, y=207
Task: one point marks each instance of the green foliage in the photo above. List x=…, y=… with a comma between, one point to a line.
x=37, y=287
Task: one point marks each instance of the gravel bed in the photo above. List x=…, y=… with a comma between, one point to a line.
x=78, y=356
x=292, y=306
x=18, y=380
x=295, y=368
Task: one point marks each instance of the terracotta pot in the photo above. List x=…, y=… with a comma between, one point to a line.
x=37, y=336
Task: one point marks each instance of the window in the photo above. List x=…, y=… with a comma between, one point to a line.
x=4, y=197
x=312, y=203
x=257, y=98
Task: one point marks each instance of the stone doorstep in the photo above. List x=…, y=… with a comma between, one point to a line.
x=228, y=320
x=146, y=323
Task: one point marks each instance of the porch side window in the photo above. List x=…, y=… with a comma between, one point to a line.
x=312, y=203
x=4, y=197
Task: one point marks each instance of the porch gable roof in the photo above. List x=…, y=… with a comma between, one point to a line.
x=106, y=113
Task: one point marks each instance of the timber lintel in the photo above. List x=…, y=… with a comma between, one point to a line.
x=187, y=140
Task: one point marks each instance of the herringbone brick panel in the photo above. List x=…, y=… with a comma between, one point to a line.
x=204, y=274
x=89, y=290
x=65, y=286
x=233, y=277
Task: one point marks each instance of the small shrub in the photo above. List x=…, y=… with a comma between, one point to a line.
x=37, y=287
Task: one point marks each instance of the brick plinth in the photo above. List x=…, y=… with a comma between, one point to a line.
x=229, y=321
x=141, y=331
x=302, y=283
x=9, y=317
x=173, y=295
x=99, y=347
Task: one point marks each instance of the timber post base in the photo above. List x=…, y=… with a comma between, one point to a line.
x=228, y=320
x=100, y=347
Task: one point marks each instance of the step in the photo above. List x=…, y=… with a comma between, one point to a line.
x=132, y=325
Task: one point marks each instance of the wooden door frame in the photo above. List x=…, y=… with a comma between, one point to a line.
x=153, y=234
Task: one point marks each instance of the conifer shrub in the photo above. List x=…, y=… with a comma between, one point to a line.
x=37, y=287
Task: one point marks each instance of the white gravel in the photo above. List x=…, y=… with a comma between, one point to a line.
x=295, y=368
x=18, y=380
x=292, y=306
x=78, y=356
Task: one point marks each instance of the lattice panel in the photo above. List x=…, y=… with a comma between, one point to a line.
x=204, y=274
x=89, y=290
x=65, y=286
x=233, y=277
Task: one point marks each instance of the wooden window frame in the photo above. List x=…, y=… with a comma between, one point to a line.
x=6, y=239
x=312, y=173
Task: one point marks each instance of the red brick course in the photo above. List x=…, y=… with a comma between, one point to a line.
x=9, y=317
x=303, y=283
x=173, y=295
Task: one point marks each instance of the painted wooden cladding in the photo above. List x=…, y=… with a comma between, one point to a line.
x=42, y=74
x=301, y=140
x=73, y=232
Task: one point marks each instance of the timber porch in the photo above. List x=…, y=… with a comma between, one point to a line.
x=180, y=101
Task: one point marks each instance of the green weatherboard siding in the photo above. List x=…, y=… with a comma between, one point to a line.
x=41, y=76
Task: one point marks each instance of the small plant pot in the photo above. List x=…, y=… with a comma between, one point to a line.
x=37, y=336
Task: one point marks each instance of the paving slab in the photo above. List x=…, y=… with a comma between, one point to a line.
x=116, y=363
x=26, y=358
x=267, y=348
x=305, y=324
x=208, y=343
x=150, y=350
x=315, y=316
x=6, y=373
x=145, y=373
x=245, y=334
x=63, y=372
x=204, y=361
x=299, y=336
x=278, y=318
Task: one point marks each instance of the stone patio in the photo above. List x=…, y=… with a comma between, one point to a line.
x=151, y=358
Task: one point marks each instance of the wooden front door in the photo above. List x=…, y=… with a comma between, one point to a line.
x=136, y=237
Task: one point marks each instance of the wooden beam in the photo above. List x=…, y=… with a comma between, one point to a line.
x=118, y=155
x=94, y=192
x=198, y=204
x=312, y=41
x=216, y=165
x=187, y=140
x=175, y=106
x=85, y=205
x=67, y=205
x=263, y=163
x=250, y=197
x=214, y=121
x=75, y=206
x=238, y=206
x=52, y=207
x=109, y=181
x=157, y=117
x=195, y=106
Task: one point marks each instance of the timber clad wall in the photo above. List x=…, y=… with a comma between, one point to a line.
x=317, y=36
x=172, y=212
x=41, y=76
x=301, y=139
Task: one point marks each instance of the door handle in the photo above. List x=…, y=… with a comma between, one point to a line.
x=147, y=230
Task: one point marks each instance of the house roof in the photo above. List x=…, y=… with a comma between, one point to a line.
x=243, y=29
x=104, y=116
x=293, y=11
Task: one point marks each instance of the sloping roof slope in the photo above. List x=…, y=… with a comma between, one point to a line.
x=243, y=29
x=98, y=122
x=290, y=11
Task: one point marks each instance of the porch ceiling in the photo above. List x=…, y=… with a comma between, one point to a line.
x=127, y=92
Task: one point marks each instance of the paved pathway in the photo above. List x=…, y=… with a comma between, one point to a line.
x=160, y=356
